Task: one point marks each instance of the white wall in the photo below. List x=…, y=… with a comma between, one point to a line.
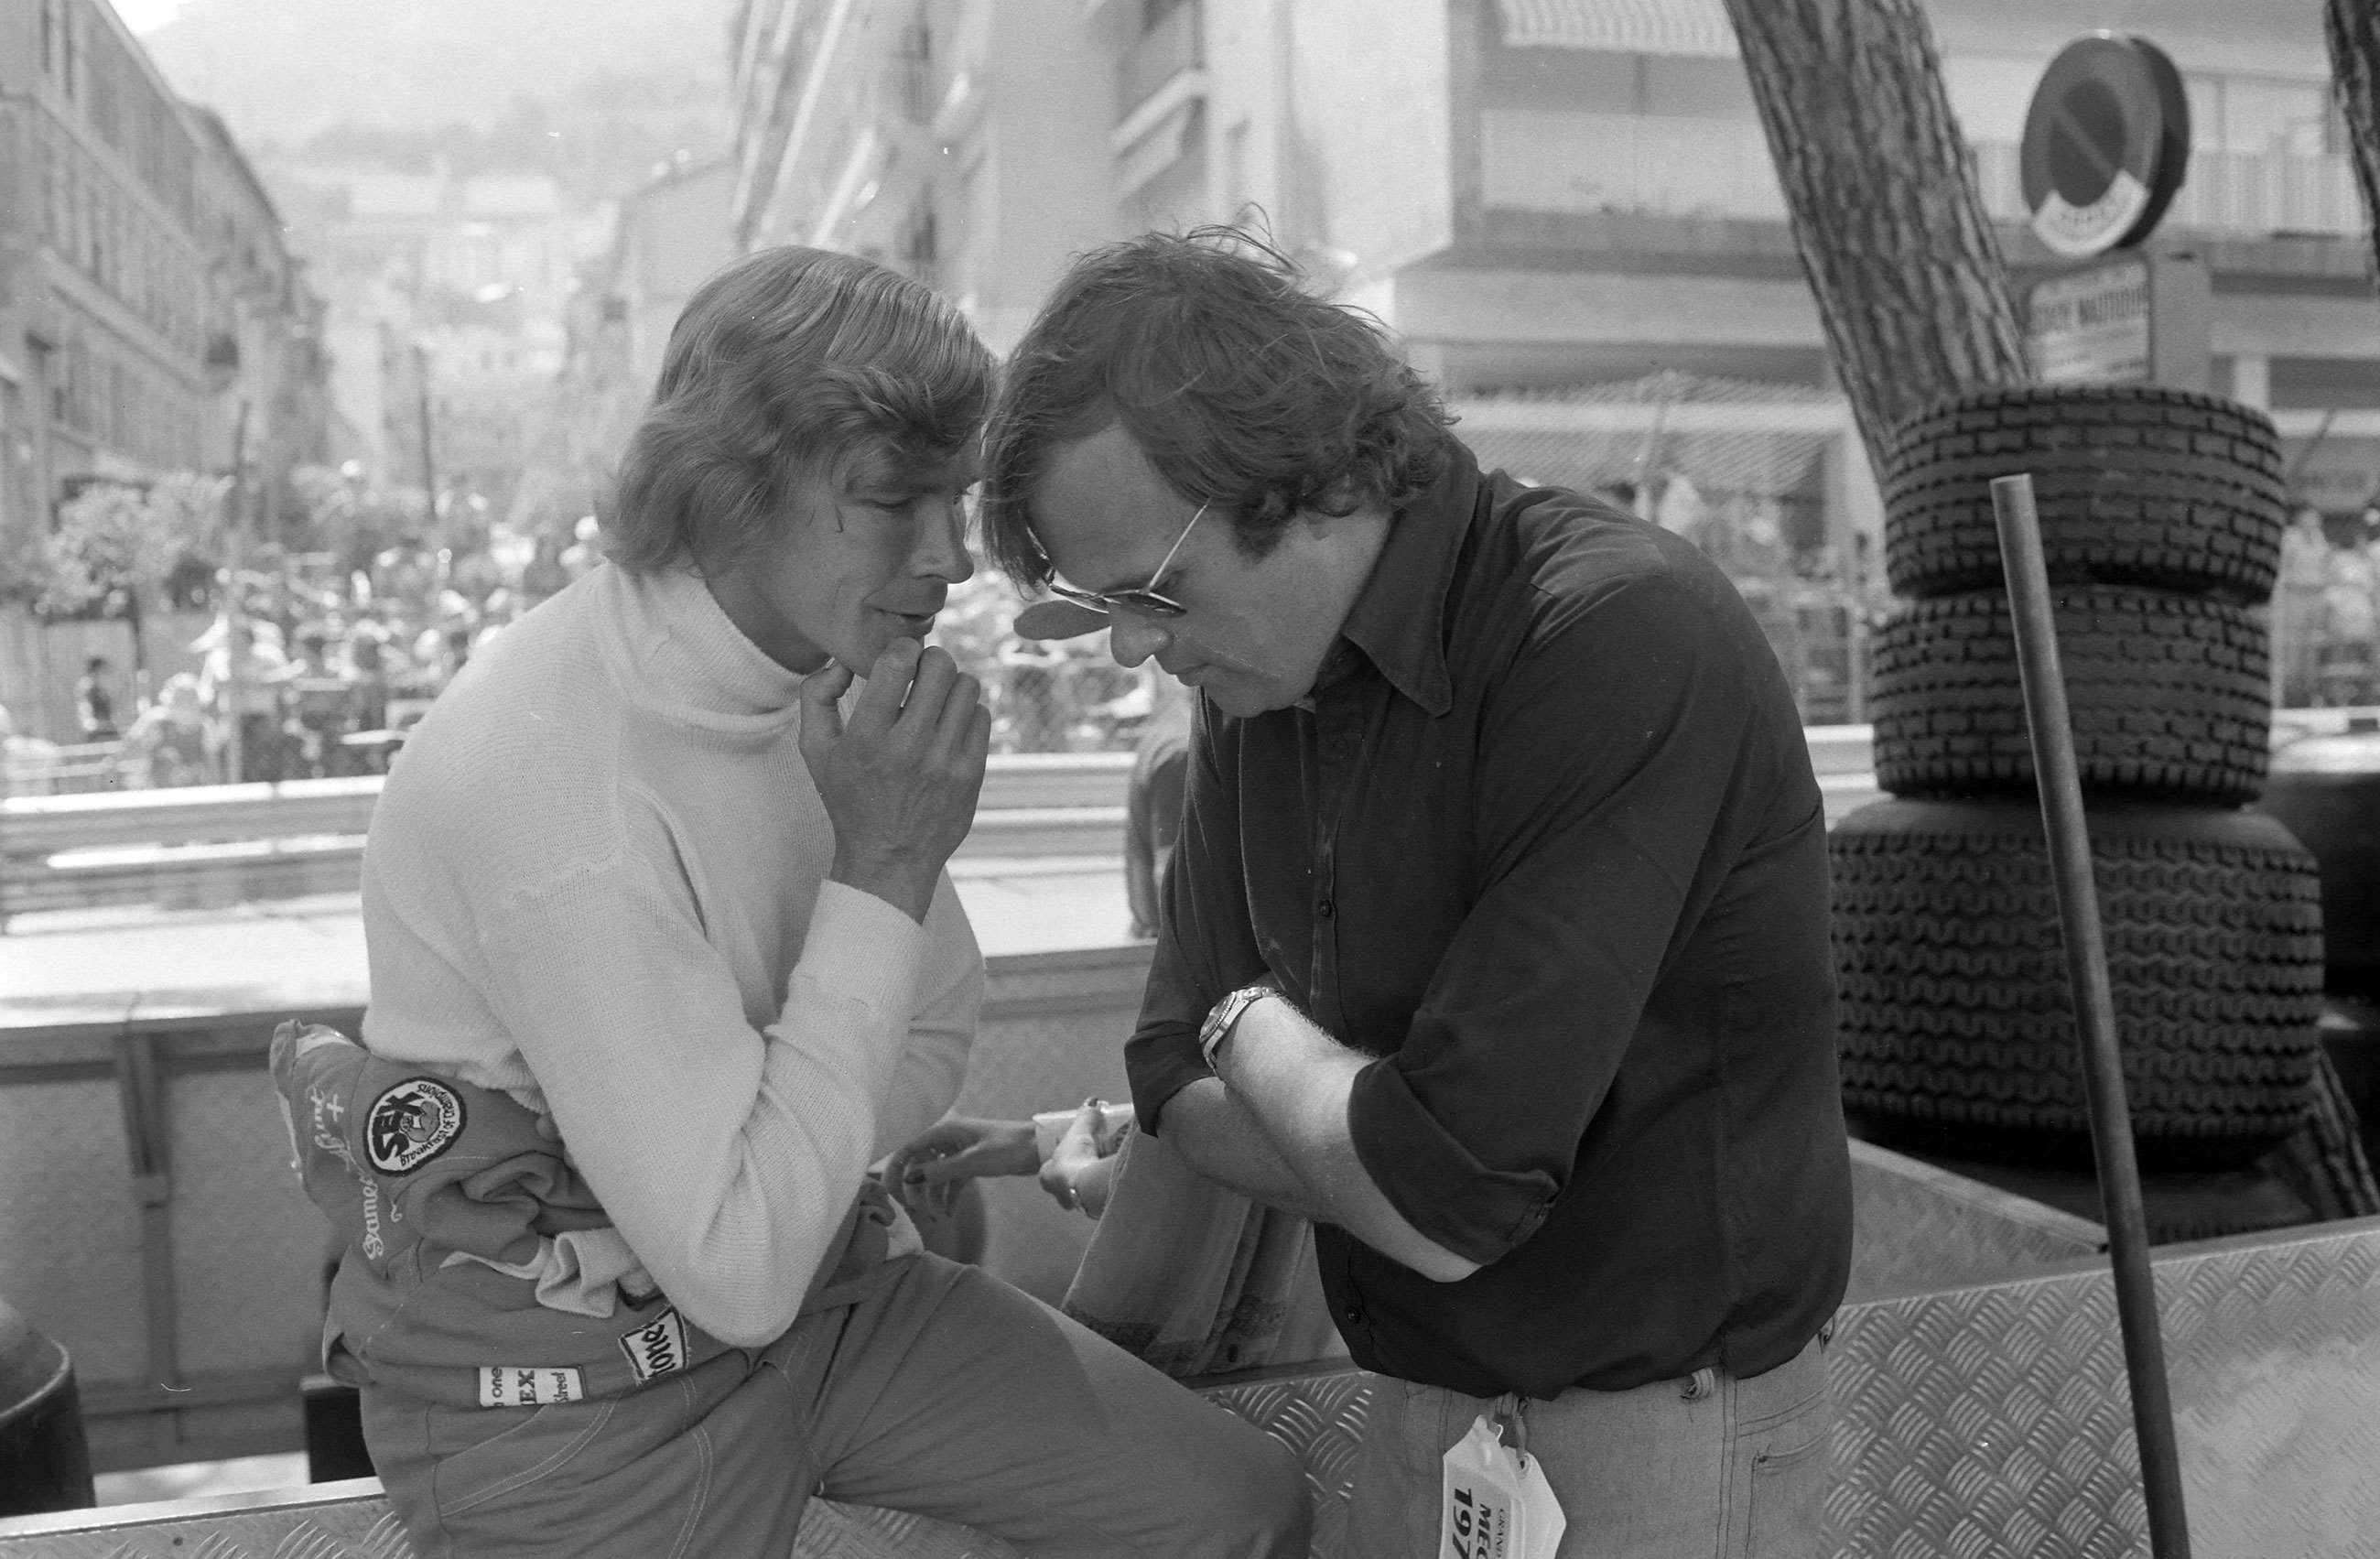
x=1371, y=107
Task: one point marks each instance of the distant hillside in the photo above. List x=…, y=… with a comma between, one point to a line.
x=280, y=71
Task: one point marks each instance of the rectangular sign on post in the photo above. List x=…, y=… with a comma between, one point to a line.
x=2092, y=326
x=2136, y=319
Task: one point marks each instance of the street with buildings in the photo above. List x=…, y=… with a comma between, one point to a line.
x=1566, y=211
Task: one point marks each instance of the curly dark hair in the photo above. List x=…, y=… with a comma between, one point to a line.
x=789, y=362
x=1245, y=392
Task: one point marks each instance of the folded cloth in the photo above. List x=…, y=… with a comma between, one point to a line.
x=415, y=1168
x=1189, y=1275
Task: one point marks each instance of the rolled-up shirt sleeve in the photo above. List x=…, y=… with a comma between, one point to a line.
x=1606, y=756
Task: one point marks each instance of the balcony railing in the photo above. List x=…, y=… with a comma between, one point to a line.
x=1163, y=52
x=2225, y=193
x=1539, y=160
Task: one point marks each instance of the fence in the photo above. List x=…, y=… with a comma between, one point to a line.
x=39, y=663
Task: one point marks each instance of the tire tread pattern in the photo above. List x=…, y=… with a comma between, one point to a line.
x=2169, y=697
x=2135, y=483
x=1955, y=1003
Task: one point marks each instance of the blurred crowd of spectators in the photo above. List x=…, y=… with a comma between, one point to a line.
x=316, y=675
x=320, y=676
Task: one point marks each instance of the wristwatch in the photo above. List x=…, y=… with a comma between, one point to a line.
x=1217, y=1026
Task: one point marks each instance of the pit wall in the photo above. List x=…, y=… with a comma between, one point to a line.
x=154, y=1228
x=152, y=1224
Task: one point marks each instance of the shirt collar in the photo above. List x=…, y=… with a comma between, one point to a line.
x=692, y=661
x=1398, y=618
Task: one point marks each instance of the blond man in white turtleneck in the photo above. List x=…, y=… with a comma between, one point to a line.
x=663, y=952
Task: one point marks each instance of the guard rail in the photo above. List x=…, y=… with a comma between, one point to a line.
x=225, y=843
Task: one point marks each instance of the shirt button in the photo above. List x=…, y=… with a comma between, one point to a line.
x=1325, y=909
x=1351, y=1314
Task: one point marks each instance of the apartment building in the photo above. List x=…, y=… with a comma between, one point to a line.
x=670, y=234
x=262, y=308
x=145, y=290
x=1542, y=196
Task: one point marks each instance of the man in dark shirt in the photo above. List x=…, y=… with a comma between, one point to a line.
x=1495, y=939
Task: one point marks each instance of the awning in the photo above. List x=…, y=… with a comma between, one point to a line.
x=1628, y=26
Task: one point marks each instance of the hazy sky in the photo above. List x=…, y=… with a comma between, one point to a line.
x=143, y=15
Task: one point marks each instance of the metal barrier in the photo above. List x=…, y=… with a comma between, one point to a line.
x=45, y=769
x=209, y=843
x=227, y=843
x=152, y=1228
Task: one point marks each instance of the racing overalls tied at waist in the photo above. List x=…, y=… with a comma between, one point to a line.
x=479, y=1269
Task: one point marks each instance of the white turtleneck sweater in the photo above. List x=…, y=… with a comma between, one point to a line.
x=596, y=879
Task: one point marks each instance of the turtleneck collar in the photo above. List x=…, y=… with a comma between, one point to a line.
x=686, y=660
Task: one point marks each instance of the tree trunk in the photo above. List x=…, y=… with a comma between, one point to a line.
x=2353, y=29
x=1881, y=188
x=134, y=617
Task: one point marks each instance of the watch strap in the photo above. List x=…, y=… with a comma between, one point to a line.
x=1224, y=1016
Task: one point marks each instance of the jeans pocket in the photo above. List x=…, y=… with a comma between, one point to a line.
x=517, y=1455
x=1790, y=1474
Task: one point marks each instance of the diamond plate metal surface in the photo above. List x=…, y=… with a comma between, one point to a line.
x=1992, y=1420
x=1997, y=1420
x=1917, y=1226
x=1320, y=1416
x=349, y=1529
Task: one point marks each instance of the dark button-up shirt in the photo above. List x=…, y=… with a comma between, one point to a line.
x=1547, y=844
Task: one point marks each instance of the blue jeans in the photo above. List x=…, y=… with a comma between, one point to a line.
x=1706, y=1467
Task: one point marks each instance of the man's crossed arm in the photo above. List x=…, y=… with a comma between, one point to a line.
x=1273, y=1124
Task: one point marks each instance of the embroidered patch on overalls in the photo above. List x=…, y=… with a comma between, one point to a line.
x=510, y=1385
x=657, y=1347
x=412, y=1124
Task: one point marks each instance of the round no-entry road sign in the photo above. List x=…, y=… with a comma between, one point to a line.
x=2107, y=141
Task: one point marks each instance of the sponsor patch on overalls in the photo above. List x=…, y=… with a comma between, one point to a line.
x=411, y=1124
x=509, y=1386
x=657, y=1347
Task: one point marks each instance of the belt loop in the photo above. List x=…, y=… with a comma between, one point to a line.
x=1511, y=1423
x=1699, y=1384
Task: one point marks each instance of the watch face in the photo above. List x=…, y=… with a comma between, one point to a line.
x=1219, y=1021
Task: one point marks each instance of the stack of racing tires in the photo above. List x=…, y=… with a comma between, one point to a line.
x=2161, y=518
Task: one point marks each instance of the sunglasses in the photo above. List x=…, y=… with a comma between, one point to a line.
x=1141, y=601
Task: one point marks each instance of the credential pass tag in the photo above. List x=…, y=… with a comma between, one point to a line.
x=1495, y=1502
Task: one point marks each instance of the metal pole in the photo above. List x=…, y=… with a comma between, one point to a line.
x=2095, y=1009
x=429, y=456
x=234, y=620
